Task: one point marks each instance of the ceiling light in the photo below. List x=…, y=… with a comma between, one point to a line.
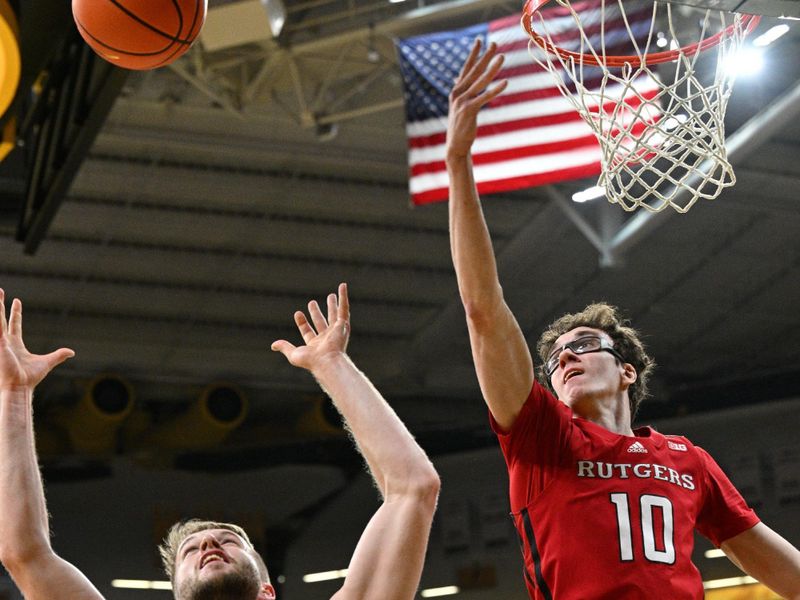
x=771, y=35
x=141, y=584
x=715, y=553
x=325, y=132
x=715, y=584
x=596, y=191
x=324, y=576
x=447, y=590
x=748, y=61
x=276, y=14
x=672, y=122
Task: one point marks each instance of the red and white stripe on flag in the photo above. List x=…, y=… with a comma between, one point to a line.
x=528, y=136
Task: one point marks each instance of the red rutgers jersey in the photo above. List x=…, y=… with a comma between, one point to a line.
x=607, y=516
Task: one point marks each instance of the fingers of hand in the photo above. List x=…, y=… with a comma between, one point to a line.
x=344, y=302
x=488, y=56
x=304, y=327
x=59, y=356
x=317, y=318
x=474, y=68
x=479, y=85
x=15, y=320
x=333, y=308
x=473, y=56
x=282, y=346
x=494, y=91
x=3, y=324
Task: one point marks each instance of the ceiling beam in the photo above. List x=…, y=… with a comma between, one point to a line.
x=413, y=20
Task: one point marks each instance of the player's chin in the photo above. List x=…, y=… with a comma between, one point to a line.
x=216, y=569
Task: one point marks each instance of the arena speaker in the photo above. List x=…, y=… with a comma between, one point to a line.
x=92, y=423
x=320, y=419
x=220, y=409
x=308, y=417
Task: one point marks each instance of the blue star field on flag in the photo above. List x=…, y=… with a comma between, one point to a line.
x=430, y=64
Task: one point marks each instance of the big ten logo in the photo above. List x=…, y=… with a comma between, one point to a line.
x=253, y=523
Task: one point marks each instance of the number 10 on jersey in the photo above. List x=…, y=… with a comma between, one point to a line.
x=650, y=507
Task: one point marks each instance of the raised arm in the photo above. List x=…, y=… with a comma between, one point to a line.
x=25, y=549
x=387, y=562
x=502, y=358
x=764, y=554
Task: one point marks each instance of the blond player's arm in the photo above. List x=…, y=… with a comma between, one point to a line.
x=502, y=359
x=765, y=555
x=25, y=548
x=387, y=562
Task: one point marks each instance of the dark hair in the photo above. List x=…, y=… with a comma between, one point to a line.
x=626, y=341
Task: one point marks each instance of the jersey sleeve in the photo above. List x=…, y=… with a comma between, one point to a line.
x=535, y=445
x=724, y=513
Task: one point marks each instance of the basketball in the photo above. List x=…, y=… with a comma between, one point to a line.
x=139, y=34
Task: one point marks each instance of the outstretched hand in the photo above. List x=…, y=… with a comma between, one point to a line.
x=323, y=337
x=18, y=367
x=469, y=94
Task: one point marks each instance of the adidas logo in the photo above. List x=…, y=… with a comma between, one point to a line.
x=637, y=447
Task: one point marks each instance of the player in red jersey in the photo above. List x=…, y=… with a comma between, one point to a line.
x=602, y=511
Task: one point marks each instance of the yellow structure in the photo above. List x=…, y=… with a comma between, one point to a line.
x=92, y=423
x=220, y=409
x=10, y=71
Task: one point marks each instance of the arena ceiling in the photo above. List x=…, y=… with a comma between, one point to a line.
x=225, y=191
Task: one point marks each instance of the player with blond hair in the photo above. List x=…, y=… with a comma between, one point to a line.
x=208, y=560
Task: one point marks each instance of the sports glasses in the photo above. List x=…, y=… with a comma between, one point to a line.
x=582, y=345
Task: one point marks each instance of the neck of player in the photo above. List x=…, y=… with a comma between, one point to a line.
x=609, y=412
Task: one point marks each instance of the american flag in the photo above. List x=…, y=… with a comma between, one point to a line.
x=530, y=135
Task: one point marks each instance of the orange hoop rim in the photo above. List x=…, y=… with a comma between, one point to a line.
x=532, y=6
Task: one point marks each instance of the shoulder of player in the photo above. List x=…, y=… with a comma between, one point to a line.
x=680, y=445
x=678, y=439
x=677, y=444
x=542, y=398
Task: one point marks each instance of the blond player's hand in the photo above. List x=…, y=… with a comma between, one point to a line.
x=324, y=337
x=18, y=367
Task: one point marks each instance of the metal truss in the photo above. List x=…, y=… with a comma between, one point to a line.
x=323, y=79
x=65, y=109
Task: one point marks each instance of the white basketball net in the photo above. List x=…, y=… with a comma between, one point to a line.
x=661, y=133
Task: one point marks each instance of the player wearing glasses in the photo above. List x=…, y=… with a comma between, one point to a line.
x=602, y=510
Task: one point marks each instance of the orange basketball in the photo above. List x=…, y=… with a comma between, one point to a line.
x=139, y=34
